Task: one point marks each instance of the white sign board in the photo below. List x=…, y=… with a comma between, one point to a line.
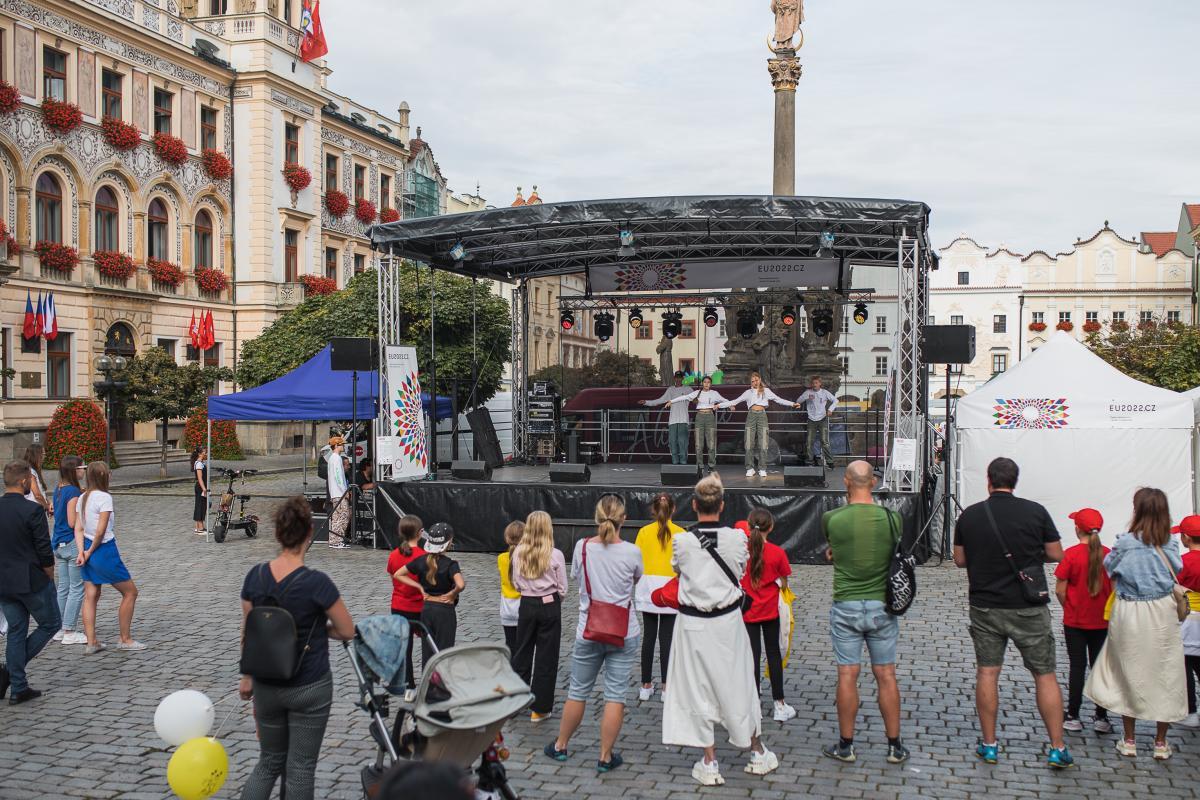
x=408, y=449
x=904, y=455
x=760, y=273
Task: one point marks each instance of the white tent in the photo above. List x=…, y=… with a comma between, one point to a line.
x=1083, y=434
x=1194, y=396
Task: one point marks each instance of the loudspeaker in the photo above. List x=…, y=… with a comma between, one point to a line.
x=348, y=353
x=483, y=432
x=679, y=474
x=804, y=476
x=948, y=344
x=570, y=473
x=471, y=471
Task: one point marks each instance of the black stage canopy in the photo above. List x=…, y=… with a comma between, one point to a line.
x=565, y=238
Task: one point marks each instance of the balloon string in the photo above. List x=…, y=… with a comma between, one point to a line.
x=227, y=714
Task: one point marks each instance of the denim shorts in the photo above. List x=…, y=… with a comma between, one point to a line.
x=853, y=622
x=586, y=660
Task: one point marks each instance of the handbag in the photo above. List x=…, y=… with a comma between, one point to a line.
x=1031, y=580
x=1182, y=608
x=901, y=576
x=710, y=544
x=607, y=623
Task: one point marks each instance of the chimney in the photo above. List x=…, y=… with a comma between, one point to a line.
x=402, y=118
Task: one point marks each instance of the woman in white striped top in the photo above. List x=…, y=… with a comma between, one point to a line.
x=707, y=402
x=757, y=398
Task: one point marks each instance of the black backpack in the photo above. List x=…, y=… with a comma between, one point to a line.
x=270, y=645
x=902, y=575
x=322, y=464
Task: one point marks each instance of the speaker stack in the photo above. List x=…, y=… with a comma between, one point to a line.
x=679, y=474
x=570, y=473
x=471, y=470
x=812, y=477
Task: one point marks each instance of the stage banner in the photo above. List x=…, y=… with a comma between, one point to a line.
x=761, y=273
x=409, y=450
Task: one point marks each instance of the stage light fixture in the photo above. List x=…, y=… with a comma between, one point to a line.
x=860, y=314
x=672, y=324
x=635, y=318
x=788, y=316
x=602, y=326
x=822, y=322
x=710, y=317
x=458, y=253
x=626, y=239
x=827, y=240
x=567, y=321
x=747, y=323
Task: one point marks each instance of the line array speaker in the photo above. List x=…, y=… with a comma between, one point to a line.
x=948, y=344
x=483, y=432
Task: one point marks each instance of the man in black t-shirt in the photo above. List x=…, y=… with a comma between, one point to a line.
x=992, y=540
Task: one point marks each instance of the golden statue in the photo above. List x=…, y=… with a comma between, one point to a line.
x=789, y=14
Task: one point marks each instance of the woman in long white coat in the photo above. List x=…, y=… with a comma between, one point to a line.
x=711, y=671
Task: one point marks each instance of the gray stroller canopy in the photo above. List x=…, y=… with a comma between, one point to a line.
x=482, y=686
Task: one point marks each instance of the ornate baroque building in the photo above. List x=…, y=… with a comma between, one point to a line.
x=218, y=75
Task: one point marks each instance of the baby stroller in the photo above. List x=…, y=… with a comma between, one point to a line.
x=461, y=702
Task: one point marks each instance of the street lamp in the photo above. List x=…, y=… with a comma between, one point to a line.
x=108, y=389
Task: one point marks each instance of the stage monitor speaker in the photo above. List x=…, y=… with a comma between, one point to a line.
x=948, y=344
x=471, y=470
x=483, y=433
x=349, y=353
x=812, y=477
x=570, y=473
x=680, y=474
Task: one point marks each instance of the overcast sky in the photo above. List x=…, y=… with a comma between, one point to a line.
x=1025, y=122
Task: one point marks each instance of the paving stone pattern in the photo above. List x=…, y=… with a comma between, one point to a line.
x=92, y=734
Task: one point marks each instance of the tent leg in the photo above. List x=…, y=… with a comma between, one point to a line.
x=208, y=500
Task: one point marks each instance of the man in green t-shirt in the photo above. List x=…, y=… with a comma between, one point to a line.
x=862, y=537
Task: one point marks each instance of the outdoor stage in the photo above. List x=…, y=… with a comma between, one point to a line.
x=479, y=510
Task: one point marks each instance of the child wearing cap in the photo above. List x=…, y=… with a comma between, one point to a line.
x=1083, y=588
x=1189, y=536
x=440, y=581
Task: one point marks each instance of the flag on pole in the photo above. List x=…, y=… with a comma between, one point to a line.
x=210, y=332
x=29, y=329
x=193, y=331
x=50, y=327
x=312, y=35
x=40, y=318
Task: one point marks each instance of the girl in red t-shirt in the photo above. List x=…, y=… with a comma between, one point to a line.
x=766, y=571
x=407, y=601
x=1083, y=588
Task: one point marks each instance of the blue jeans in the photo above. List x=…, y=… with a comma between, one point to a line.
x=855, y=622
x=586, y=659
x=678, y=435
x=23, y=645
x=69, y=579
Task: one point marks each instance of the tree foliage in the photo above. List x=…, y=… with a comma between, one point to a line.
x=301, y=333
x=1164, y=354
x=607, y=369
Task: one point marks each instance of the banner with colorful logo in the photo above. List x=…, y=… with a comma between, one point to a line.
x=408, y=449
x=755, y=273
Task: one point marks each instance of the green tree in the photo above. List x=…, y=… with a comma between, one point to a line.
x=159, y=390
x=607, y=369
x=301, y=333
x=1162, y=354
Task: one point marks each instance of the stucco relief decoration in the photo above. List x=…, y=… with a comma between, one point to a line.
x=149, y=18
x=63, y=170
x=174, y=29
x=122, y=8
x=347, y=144
x=10, y=184
x=292, y=103
x=1106, y=264
x=215, y=27
x=26, y=60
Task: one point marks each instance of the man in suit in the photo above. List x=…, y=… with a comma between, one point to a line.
x=26, y=580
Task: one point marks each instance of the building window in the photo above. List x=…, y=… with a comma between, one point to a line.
x=999, y=363
x=291, y=144
x=217, y=7
x=880, y=324
x=49, y=208
x=999, y=323
x=58, y=367
x=1091, y=316
x=1064, y=316
x=1118, y=316
x=687, y=365
x=291, y=269
x=385, y=191
x=843, y=364
x=287, y=11
x=802, y=323
x=208, y=128
x=646, y=331
x=1145, y=316
x=955, y=369
x=930, y=320
x=360, y=181
x=360, y=263
x=156, y=230
x=1173, y=317
x=167, y=346
x=964, y=279
x=956, y=319
x=54, y=73
x=1039, y=317
x=331, y=262
x=881, y=365
x=687, y=329
x=162, y=111
x=2, y=78
x=721, y=332
x=331, y=172
x=845, y=327
x=108, y=214
x=204, y=239
x=5, y=363
x=110, y=93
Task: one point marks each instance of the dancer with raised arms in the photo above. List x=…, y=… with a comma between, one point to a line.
x=757, y=398
x=707, y=402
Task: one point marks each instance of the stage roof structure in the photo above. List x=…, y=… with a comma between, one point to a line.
x=563, y=238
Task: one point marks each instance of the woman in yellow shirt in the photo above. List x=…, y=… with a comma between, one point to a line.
x=510, y=598
x=654, y=540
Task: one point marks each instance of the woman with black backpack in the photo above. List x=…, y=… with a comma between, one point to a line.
x=285, y=662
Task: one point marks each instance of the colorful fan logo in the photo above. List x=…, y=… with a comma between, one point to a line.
x=650, y=277
x=1030, y=414
x=409, y=423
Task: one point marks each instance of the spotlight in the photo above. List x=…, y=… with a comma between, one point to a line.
x=827, y=240
x=822, y=322
x=635, y=318
x=626, y=239
x=672, y=322
x=458, y=253
x=747, y=323
x=788, y=317
x=710, y=317
x=860, y=314
x=567, y=321
x=602, y=326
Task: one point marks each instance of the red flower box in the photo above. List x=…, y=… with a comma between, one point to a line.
x=217, y=165
x=1147, y=325
x=13, y=248
x=1120, y=325
x=315, y=284
x=114, y=264
x=389, y=215
x=61, y=117
x=211, y=280
x=54, y=255
x=121, y=135
x=10, y=98
x=364, y=211
x=336, y=203
x=170, y=149
x=297, y=177
x=1091, y=326
x=1037, y=327
x=1065, y=326
x=77, y=428
x=164, y=271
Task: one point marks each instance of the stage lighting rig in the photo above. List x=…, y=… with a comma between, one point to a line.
x=626, y=239
x=747, y=322
x=710, y=317
x=672, y=322
x=635, y=318
x=602, y=326
x=822, y=322
x=860, y=314
x=788, y=316
x=567, y=321
x=826, y=248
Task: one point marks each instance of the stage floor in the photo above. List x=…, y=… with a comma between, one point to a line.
x=643, y=475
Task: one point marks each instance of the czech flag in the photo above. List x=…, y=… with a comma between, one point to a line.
x=29, y=329
x=40, y=319
x=50, y=325
x=312, y=35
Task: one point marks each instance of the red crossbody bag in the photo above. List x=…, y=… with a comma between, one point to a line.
x=607, y=623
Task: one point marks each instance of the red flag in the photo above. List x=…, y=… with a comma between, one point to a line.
x=210, y=332
x=193, y=331
x=312, y=41
x=29, y=329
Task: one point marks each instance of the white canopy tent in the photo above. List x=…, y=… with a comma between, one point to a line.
x=1194, y=396
x=1083, y=434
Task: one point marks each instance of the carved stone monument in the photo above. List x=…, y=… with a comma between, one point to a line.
x=785, y=71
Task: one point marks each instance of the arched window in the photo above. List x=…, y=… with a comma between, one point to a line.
x=204, y=240
x=156, y=230
x=49, y=208
x=107, y=215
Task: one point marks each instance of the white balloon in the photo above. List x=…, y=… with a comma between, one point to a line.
x=183, y=715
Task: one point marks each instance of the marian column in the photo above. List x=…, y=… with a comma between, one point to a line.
x=785, y=73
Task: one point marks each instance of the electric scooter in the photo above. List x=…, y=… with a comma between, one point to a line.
x=224, y=521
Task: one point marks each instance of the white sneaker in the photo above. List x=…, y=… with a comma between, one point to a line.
x=1191, y=720
x=75, y=637
x=645, y=692
x=783, y=712
x=749, y=474
x=762, y=473
x=58, y=637
x=762, y=763
x=707, y=774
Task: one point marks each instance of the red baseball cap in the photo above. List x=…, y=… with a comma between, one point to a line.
x=1189, y=525
x=1088, y=519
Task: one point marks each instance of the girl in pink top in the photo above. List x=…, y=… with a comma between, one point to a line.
x=540, y=575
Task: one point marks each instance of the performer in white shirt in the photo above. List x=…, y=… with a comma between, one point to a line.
x=677, y=423
x=819, y=403
x=757, y=398
x=707, y=402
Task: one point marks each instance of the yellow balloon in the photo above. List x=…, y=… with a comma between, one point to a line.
x=198, y=768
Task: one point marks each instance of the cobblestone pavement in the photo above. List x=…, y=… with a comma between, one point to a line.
x=92, y=734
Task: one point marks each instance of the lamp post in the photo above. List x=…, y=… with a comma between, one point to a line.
x=107, y=389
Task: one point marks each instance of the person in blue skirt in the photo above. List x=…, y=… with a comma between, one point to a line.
x=100, y=561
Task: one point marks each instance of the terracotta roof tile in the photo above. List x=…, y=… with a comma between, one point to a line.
x=1193, y=212
x=1159, y=242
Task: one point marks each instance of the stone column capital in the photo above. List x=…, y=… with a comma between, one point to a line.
x=785, y=73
